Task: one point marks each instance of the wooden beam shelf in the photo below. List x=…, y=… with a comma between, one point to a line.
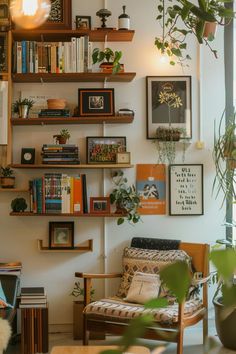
x=74, y=120
x=82, y=166
x=73, y=77
x=76, y=249
x=95, y=35
x=16, y=190
x=89, y=215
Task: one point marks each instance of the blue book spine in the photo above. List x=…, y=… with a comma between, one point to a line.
x=24, y=57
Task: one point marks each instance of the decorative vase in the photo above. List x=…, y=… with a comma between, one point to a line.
x=124, y=20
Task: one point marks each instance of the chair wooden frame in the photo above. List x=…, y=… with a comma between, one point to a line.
x=171, y=333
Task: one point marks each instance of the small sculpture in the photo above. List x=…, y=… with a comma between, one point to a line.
x=103, y=13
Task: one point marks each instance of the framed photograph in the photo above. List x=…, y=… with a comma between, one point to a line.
x=61, y=235
x=103, y=150
x=83, y=22
x=123, y=157
x=186, y=189
x=96, y=102
x=169, y=101
x=99, y=205
x=27, y=156
x=60, y=15
x=3, y=52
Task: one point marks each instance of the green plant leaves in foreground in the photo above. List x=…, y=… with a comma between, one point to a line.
x=225, y=262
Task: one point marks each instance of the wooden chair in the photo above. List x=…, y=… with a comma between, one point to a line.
x=173, y=332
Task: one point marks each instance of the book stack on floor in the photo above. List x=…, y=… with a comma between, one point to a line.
x=58, y=193
x=33, y=297
x=58, y=113
x=60, y=154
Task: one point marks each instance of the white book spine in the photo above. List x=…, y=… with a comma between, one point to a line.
x=73, y=54
x=90, y=59
x=81, y=52
x=66, y=57
x=69, y=57
x=19, y=58
x=78, y=48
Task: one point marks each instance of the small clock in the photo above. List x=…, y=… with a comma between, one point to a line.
x=27, y=156
x=123, y=157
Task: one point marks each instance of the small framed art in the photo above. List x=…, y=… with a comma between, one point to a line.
x=83, y=22
x=169, y=102
x=103, y=150
x=96, y=102
x=123, y=157
x=99, y=205
x=61, y=235
x=27, y=156
x=60, y=15
x=186, y=189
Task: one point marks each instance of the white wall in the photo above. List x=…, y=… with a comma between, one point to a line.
x=18, y=235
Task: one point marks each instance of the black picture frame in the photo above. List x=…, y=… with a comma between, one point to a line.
x=99, y=205
x=96, y=102
x=158, y=113
x=61, y=235
x=186, y=197
x=27, y=156
x=103, y=150
x=83, y=22
x=3, y=52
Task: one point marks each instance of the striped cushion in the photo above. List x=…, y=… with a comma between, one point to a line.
x=119, y=310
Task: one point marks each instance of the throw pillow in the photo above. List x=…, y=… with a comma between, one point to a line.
x=143, y=288
x=3, y=300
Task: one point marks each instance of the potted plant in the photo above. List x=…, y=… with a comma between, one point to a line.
x=22, y=107
x=62, y=137
x=110, y=60
x=7, y=178
x=125, y=198
x=18, y=205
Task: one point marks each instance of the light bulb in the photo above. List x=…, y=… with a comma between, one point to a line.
x=30, y=14
x=164, y=58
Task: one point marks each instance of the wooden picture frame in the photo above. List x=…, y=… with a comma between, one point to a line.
x=3, y=53
x=99, y=205
x=83, y=22
x=103, y=150
x=96, y=102
x=61, y=235
x=186, y=189
x=123, y=157
x=60, y=17
x=158, y=113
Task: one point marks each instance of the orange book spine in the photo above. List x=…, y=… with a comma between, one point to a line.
x=71, y=195
x=78, y=196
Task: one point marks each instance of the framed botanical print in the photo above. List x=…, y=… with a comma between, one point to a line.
x=186, y=189
x=61, y=235
x=169, y=104
x=60, y=15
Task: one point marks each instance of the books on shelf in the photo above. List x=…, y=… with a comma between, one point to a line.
x=63, y=154
x=47, y=113
x=33, y=291
x=53, y=57
x=33, y=297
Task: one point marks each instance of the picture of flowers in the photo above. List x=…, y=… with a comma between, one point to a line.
x=104, y=150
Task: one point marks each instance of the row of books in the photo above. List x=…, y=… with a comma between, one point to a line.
x=60, y=154
x=33, y=297
x=47, y=113
x=53, y=57
x=58, y=193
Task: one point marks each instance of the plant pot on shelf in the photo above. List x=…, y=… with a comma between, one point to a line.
x=108, y=68
x=168, y=134
x=209, y=29
x=56, y=103
x=23, y=111
x=60, y=139
x=7, y=182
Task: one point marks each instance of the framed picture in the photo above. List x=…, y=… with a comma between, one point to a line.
x=103, y=150
x=60, y=15
x=99, y=205
x=96, y=102
x=61, y=235
x=27, y=156
x=3, y=52
x=186, y=189
x=83, y=22
x=123, y=157
x=169, y=101
x=4, y=15
x=3, y=112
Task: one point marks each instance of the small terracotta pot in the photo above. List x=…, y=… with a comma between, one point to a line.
x=7, y=182
x=60, y=139
x=56, y=103
x=209, y=29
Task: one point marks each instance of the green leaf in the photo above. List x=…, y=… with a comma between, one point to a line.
x=203, y=15
x=185, y=11
x=183, y=46
x=229, y=295
x=156, y=303
x=172, y=62
x=211, y=37
x=112, y=351
x=202, y=4
x=199, y=31
x=120, y=221
x=224, y=261
x=177, y=278
x=159, y=17
x=176, y=52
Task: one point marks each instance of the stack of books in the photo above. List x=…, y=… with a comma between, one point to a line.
x=60, y=154
x=60, y=113
x=33, y=297
x=11, y=268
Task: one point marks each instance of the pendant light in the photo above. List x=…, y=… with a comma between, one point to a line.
x=29, y=14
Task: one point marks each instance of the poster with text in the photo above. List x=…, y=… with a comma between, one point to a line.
x=186, y=189
x=151, y=187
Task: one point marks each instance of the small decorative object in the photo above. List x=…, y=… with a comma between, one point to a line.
x=28, y=156
x=7, y=180
x=96, y=102
x=110, y=60
x=56, y=103
x=151, y=188
x=186, y=189
x=103, y=14
x=83, y=22
x=4, y=15
x=125, y=112
x=124, y=20
x=103, y=150
x=22, y=107
x=61, y=235
x=18, y=205
x=99, y=205
x=123, y=157
x=3, y=51
x=125, y=198
x=60, y=15
x=62, y=137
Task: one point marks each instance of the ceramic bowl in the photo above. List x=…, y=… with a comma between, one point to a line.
x=56, y=103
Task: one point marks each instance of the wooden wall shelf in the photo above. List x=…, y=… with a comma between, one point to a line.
x=73, y=120
x=95, y=215
x=76, y=249
x=73, y=77
x=16, y=190
x=82, y=166
x=65, y=35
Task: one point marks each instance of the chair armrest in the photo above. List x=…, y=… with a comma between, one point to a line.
x=200, y=281
x=97, y=276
